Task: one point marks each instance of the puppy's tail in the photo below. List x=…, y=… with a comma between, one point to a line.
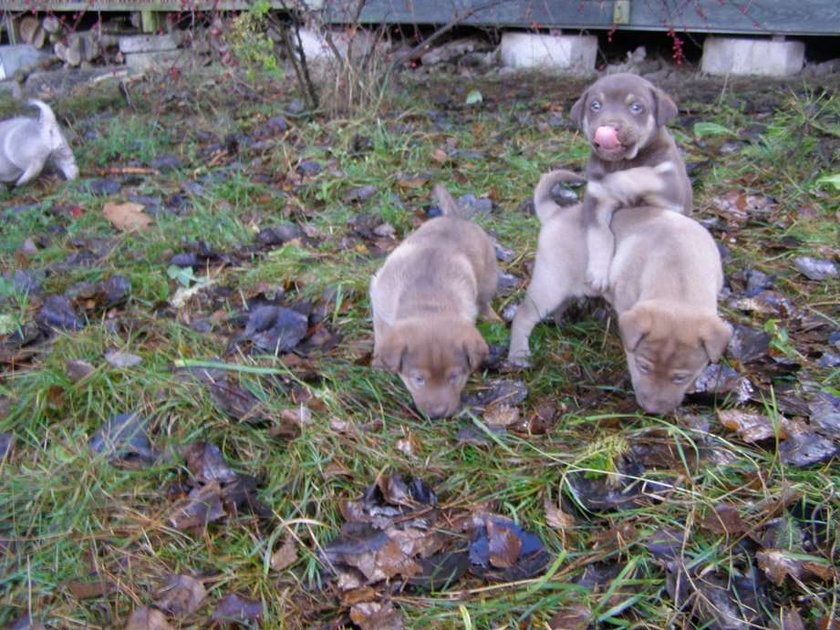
x=544, y=204
x=50, y=133
x=446, y=203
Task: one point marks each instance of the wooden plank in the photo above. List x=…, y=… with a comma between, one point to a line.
x=148, y=5
x=786, y=17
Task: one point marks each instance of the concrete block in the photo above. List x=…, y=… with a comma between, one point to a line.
x=155, y=60
x=765, y=57
x=16, y=56
x=569, y=53
x=148, y=43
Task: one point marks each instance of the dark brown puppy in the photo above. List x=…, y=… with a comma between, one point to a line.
x=624, y=116
x=425, y=300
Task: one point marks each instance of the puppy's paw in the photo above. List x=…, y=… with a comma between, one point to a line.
x=515, y=364
x=597, y=279
x=665, y=167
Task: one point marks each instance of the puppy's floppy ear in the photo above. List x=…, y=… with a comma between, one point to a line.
x=714, y=335
x=475, y=349
x=634, y=325
x=576, y=113
x=389, y=355
x=666, y=108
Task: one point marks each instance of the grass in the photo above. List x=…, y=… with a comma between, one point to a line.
x=70, y=516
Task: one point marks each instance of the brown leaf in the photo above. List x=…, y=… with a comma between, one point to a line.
x=203, y=506
x=285, y=556
x=182, y=595
x=377, y=616
x=127, y=217
x=90, y=590
x=791, y=620
x=725, y=520
x=147, y=618
x=233, y=608
x=122, y=359
x=753, y=427
x=776, y=565
x=76, y=370
x=207, y=463
x=501, y=414
x=573, y=617
x=556, y=518
x=504, y=544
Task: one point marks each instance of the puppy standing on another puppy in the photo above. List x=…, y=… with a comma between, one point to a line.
x=624, y=117
x=26, y=144
x=663, y=282
x=425, y=301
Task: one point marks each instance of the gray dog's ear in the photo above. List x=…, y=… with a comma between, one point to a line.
x=390, y=354
x=576, y=113
x=475, y=349
x=666, y=108
x=714, y=335
x=634, y=325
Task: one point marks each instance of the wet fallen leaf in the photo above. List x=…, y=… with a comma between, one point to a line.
x=556, y=518
x=85, y=589
x=376, y=616
x=147, y=618
x=127, y=217
x=791, y=620
x=814, y=268
x=285, y=556
x=273, y=329
x=207, y=463
x=124, y=440
x=717, y=381
x=202, y=506
x=777, y=564
x=571, y=617
x=181, y=595
x=235, y=609
x=58, y=312
x=501, y=415
x=503, y=545
x=122, y=359
x=76, y=370
x=725, y=519
x=806, y=448
x=27, y=623
x=500, y=550
x=753, y=427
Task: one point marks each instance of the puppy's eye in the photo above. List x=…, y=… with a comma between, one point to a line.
x=595, y=106
x=418, y=380
x=636, y=108
x=679, y=379
x=454, y=378
x=644, y=368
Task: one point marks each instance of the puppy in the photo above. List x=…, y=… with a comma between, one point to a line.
x=26, y=144
x=624, y=116
x=665, y=276
x=425, y=300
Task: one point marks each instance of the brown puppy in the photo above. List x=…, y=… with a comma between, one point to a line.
x=664, y=280
x=624, y=116
x=425, y=301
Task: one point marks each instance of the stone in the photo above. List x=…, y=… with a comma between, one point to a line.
x=16, y=56
x=569, y=53
x=148, y=43
x=742, y=56
x=159, y=59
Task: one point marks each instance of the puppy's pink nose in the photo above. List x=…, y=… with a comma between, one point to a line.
x=607, y=137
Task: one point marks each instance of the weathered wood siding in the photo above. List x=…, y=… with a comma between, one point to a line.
x=714, y=16
x=761, y=17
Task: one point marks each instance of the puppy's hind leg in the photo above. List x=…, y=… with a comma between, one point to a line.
x=600, y=242
x=545, y=295
x=32, y=171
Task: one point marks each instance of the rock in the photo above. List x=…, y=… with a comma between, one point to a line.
x=18, y=56
x=148, y=43
x=814, y=268
x=571, y=53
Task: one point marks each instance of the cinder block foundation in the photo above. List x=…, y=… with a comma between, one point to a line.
x=158, y=59
x=763, y=57
x=558, y=53
x=148, y=43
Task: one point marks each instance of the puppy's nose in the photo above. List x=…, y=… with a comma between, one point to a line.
x=440, y=410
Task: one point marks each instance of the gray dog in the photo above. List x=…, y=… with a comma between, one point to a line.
x=26, y=144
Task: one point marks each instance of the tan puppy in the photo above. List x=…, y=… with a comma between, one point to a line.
x=664, y=280
x=425, y=301
x=624, y=116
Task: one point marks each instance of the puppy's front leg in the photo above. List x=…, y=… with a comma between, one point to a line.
x=546, y=293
